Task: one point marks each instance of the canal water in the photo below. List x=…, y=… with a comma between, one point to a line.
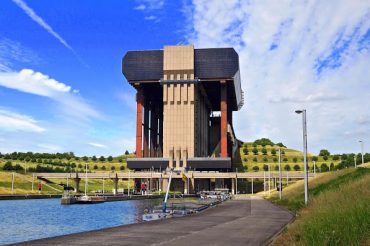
x=23, y=220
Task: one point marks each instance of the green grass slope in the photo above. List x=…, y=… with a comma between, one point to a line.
x=338, y=212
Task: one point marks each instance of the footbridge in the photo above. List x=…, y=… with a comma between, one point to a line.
x=186, y=182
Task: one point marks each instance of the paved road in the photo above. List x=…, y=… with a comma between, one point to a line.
x=237, y=222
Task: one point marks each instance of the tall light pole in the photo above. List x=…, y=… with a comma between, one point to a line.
x=304, y=123
x=362, y=152
x=280, y=184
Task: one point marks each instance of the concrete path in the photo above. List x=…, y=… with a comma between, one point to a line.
x=237, y=222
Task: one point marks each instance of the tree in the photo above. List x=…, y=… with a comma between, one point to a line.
x=285, y=159
x=85, y=158
x=127, y=153
x=275, y=159
x=103, y=168
x=276, y=167
x=296, y=167
x=255, y=151
x=324, y=152
x=95, y=167
x=287, y=167
x=264, y=142
x=265, y=167
x=265, y=159
x=8, y=166
x=282, y=152
x=264, y=151
x=110, y=158
x=245, y=151
x=112, y=168
x=255, y=159
x=335, y=157
x=324, y=167
x=79, y=165
x=102, y=158
x=120, y=160
x=332, y=166
x=245, y=159
x=94, y=158
x=344, y=157
x=254, y=145
x=325, y=157
x=314, y=158
x=295, y=159
x=256, y=168
x=281, y=145
x=273, y=151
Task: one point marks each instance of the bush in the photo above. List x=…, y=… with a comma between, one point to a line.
x=79, y=166
x=110, y=158
x=325, y=157
x=102, y=158
x=256, y=168
x=282, y=152
x=245, y=159
x=8, y=166
x=120, y=160
x=295, y=159
x=324, y=152
x=254, y=145
x=122, y=168
x=285, y=159
x=287, y=167
x=314, y=158
x=85, y=158
x=273, y=151
x=264, y=142
x=324, y=167
x=112, y=168
x=296, y=167
x=276, y=167
x=265, y=167
x=275, y=159
x=281, y=145
x=332, y=166
x=126, y=152
x=95, y=167
x=94, y=158
x=103, y=168
x=245, y=151
x=255, y=159
x=265, y=159
x=255, y=151
x=335, y=157
x=264, y=151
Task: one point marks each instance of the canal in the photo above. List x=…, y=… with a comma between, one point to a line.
x=23, y=220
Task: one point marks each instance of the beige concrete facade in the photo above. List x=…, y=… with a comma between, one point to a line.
x=185, y=108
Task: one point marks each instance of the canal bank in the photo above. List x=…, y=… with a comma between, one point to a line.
x=237, y=222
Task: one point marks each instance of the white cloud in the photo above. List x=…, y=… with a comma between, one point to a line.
x=140, y=7
x=149, y=5
x=14, y=122
x=294, y=54
x=32, y=14
x=36, y=83
x=98, y=145
x=151, y=17
x=33, y=82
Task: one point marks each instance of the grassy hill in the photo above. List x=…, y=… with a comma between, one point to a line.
x=253, y=156
x=338, y=212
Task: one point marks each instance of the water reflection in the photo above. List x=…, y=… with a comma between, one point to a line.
x=22, y=220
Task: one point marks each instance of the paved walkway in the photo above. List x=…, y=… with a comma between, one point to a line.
x=237, y=222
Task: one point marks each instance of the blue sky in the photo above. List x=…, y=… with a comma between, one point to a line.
x=61, y=86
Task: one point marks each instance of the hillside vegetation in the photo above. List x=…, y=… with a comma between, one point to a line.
x=338, y=212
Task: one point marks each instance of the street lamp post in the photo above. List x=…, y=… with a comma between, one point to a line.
x=362, y=152
x=304, y=123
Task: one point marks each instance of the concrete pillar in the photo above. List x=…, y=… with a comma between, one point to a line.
x=160, y=132
x=153, y=129
x=192, y=186
x=164, y=184
x=224, y=119
x=77, y=184
x=146, y=129
x=186, y=191
x=115, y=186
x=139, y=123
x=233, y=186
